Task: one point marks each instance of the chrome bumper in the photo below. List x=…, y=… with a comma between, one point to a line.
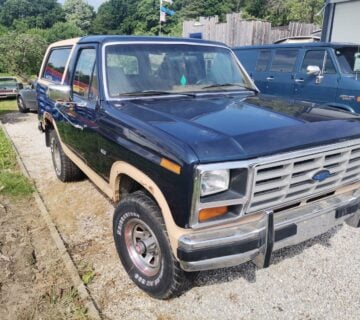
x=256, y=240
x=8, y=95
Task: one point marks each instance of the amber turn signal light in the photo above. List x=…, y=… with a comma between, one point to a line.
x=358, y=99
x=207, y=214
x=167, y=164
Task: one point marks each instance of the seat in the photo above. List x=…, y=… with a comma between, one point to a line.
x=118, y=82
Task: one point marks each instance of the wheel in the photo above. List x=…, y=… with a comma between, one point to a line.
x=21, y=105
x=144, y=248
x=65, y=169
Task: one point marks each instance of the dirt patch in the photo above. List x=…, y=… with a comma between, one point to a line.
x=33, y=284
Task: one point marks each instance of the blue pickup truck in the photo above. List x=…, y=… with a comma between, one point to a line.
x=204, y=173
x=323, y=73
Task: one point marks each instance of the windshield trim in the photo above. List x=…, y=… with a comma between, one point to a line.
x=105, y=86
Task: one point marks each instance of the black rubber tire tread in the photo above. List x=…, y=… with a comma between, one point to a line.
x=69, y=171
x=22, y=110
x=179, y=280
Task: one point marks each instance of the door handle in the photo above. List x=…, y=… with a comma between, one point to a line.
x=299, y=80
x=270, y=78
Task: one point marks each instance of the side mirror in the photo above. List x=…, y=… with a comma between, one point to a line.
x=313, y=70
x=58, y=92
x=20, y=86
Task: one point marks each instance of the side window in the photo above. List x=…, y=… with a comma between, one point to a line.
x=284, y=60
x=85, y=77
x=263, y=60
x=316, y=58
x=55, y=66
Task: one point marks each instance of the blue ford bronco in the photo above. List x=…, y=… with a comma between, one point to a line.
x=204, y=173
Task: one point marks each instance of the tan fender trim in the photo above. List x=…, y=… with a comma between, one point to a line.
x=120, y=168
x=112, y=189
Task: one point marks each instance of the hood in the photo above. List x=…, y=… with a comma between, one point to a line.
x=226, y=128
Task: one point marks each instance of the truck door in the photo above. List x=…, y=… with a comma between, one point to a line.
x=280, y=77
x=261, y=73
x=319, y=88
x=80, y=128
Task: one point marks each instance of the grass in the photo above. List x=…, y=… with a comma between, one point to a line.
x=60, y=304
x=12, y=182
x=87, y=273
x=7, y=105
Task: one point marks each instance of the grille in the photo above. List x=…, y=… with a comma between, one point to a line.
x=280, y=182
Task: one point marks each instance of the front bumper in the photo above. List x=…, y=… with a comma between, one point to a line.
x=8, y=94
x=256, y=236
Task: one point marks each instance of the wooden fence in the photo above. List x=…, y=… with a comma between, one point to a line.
x=238, y=32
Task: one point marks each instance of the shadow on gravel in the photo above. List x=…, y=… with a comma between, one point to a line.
x=15, y=117
x=248, y=270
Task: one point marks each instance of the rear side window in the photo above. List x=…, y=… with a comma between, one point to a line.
x=263, y=61
x=55, y=66
x=284, y=60
x=316, y=58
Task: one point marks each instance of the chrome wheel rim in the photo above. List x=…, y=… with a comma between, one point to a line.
x=57, y=157
x=143, y=247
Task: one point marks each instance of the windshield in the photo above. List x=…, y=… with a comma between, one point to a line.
x=171, y=68
x=346, y=58
x=8, y=83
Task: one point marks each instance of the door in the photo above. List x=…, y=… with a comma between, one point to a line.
x=79, y=129
x=262, y=70
x=280, y=77
x=321, y=88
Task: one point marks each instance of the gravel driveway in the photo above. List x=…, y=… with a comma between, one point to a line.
x=319, y=279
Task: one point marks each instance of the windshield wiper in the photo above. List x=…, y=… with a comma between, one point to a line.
x=156, y=93
x=222, y=85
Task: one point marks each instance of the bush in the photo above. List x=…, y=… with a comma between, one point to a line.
x=21, y=54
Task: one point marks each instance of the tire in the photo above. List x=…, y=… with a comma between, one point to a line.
x=140, y=235
x=65, y=169
x=21, y=105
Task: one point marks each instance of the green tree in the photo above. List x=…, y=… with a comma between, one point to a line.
x=147, y=17
x=21, y=54
x=79, y=13
x=257, y=8
x=62, y=31
x=281, y=12
x=39, y=13
x=116, y=16
x=305, y=10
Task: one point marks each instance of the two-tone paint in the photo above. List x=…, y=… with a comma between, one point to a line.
x=130, y=136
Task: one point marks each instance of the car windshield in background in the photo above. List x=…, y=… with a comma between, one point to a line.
x=158, y=69
x=346, y=58
x=8, y=83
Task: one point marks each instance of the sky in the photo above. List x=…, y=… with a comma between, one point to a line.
x=94, y=3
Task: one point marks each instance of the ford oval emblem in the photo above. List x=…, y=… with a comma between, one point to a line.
x=321, y=175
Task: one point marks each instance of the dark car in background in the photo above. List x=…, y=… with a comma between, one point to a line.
x=26, y=99
x=9, y=87
x=323, y=73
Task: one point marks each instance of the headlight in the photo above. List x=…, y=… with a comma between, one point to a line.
x=214, y=181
